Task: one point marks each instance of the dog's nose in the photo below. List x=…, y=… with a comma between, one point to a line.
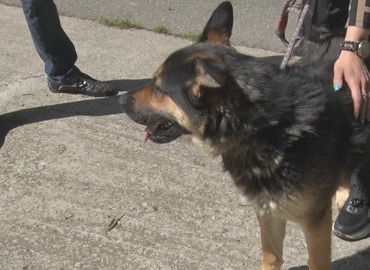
x=123, y=101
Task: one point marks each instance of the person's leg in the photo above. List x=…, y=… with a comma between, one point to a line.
x=51, y=42
x=58, y=52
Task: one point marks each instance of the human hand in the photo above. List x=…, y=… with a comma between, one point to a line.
x=352, y=69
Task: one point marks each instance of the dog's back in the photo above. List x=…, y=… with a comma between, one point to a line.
x=301, y=130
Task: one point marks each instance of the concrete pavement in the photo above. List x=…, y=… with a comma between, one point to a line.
x=79, y=191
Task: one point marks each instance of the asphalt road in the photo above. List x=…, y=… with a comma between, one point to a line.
x=255, y=20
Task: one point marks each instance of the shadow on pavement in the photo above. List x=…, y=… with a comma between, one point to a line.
x=358, y=261
x=90, y=107
x=127, y=85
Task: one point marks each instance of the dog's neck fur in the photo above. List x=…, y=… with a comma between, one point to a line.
x=251, y=130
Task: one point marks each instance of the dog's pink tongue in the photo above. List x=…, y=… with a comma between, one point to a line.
x=148, y=131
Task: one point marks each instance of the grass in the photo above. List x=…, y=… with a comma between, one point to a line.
x=126, y=24
x=193, y=36
x=162, y=30
x=122, y=24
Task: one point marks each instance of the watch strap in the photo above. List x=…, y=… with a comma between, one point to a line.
x=349, y=46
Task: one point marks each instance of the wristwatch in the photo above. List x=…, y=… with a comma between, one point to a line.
x=361, y=48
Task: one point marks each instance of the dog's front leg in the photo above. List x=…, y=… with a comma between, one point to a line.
x=317, y=231
x=272, y=236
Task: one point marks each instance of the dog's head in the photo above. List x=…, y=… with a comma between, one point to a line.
x=188, y=88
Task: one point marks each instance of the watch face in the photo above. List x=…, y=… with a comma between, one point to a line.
x=364, y=48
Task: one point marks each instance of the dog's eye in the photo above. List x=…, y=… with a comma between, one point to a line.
x=156, y=89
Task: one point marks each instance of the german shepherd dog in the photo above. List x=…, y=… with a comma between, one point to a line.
x=286, y=137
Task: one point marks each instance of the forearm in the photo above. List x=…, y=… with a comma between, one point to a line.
x=355, y=33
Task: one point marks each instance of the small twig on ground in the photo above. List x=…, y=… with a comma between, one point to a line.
x=70, y=216
x=113, y=223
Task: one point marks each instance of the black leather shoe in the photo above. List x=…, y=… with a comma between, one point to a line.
x=353, y=221
x=83, y=84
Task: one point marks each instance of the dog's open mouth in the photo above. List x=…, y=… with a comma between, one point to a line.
x=163, y=131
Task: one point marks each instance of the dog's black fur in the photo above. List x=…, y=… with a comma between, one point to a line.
x=285, y=136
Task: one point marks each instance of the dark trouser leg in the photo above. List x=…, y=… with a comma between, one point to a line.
x=363, y=182
x=51, y=42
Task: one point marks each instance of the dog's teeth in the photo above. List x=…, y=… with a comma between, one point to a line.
x=146, y=136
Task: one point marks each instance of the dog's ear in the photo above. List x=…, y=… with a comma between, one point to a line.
x=210, y=74
x=219, y=26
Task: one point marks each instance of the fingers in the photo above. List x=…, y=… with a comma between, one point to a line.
x=352, y=69
x=364, y=101
x=358, y=83
x=366, y=84
x=354, y=86
x=357, y=97
x=338, y=77
x=367, y=114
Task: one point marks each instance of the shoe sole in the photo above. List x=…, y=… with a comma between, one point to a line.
x=364, y=233
x=74, y=91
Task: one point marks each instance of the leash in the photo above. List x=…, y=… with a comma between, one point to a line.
x=301, y=10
